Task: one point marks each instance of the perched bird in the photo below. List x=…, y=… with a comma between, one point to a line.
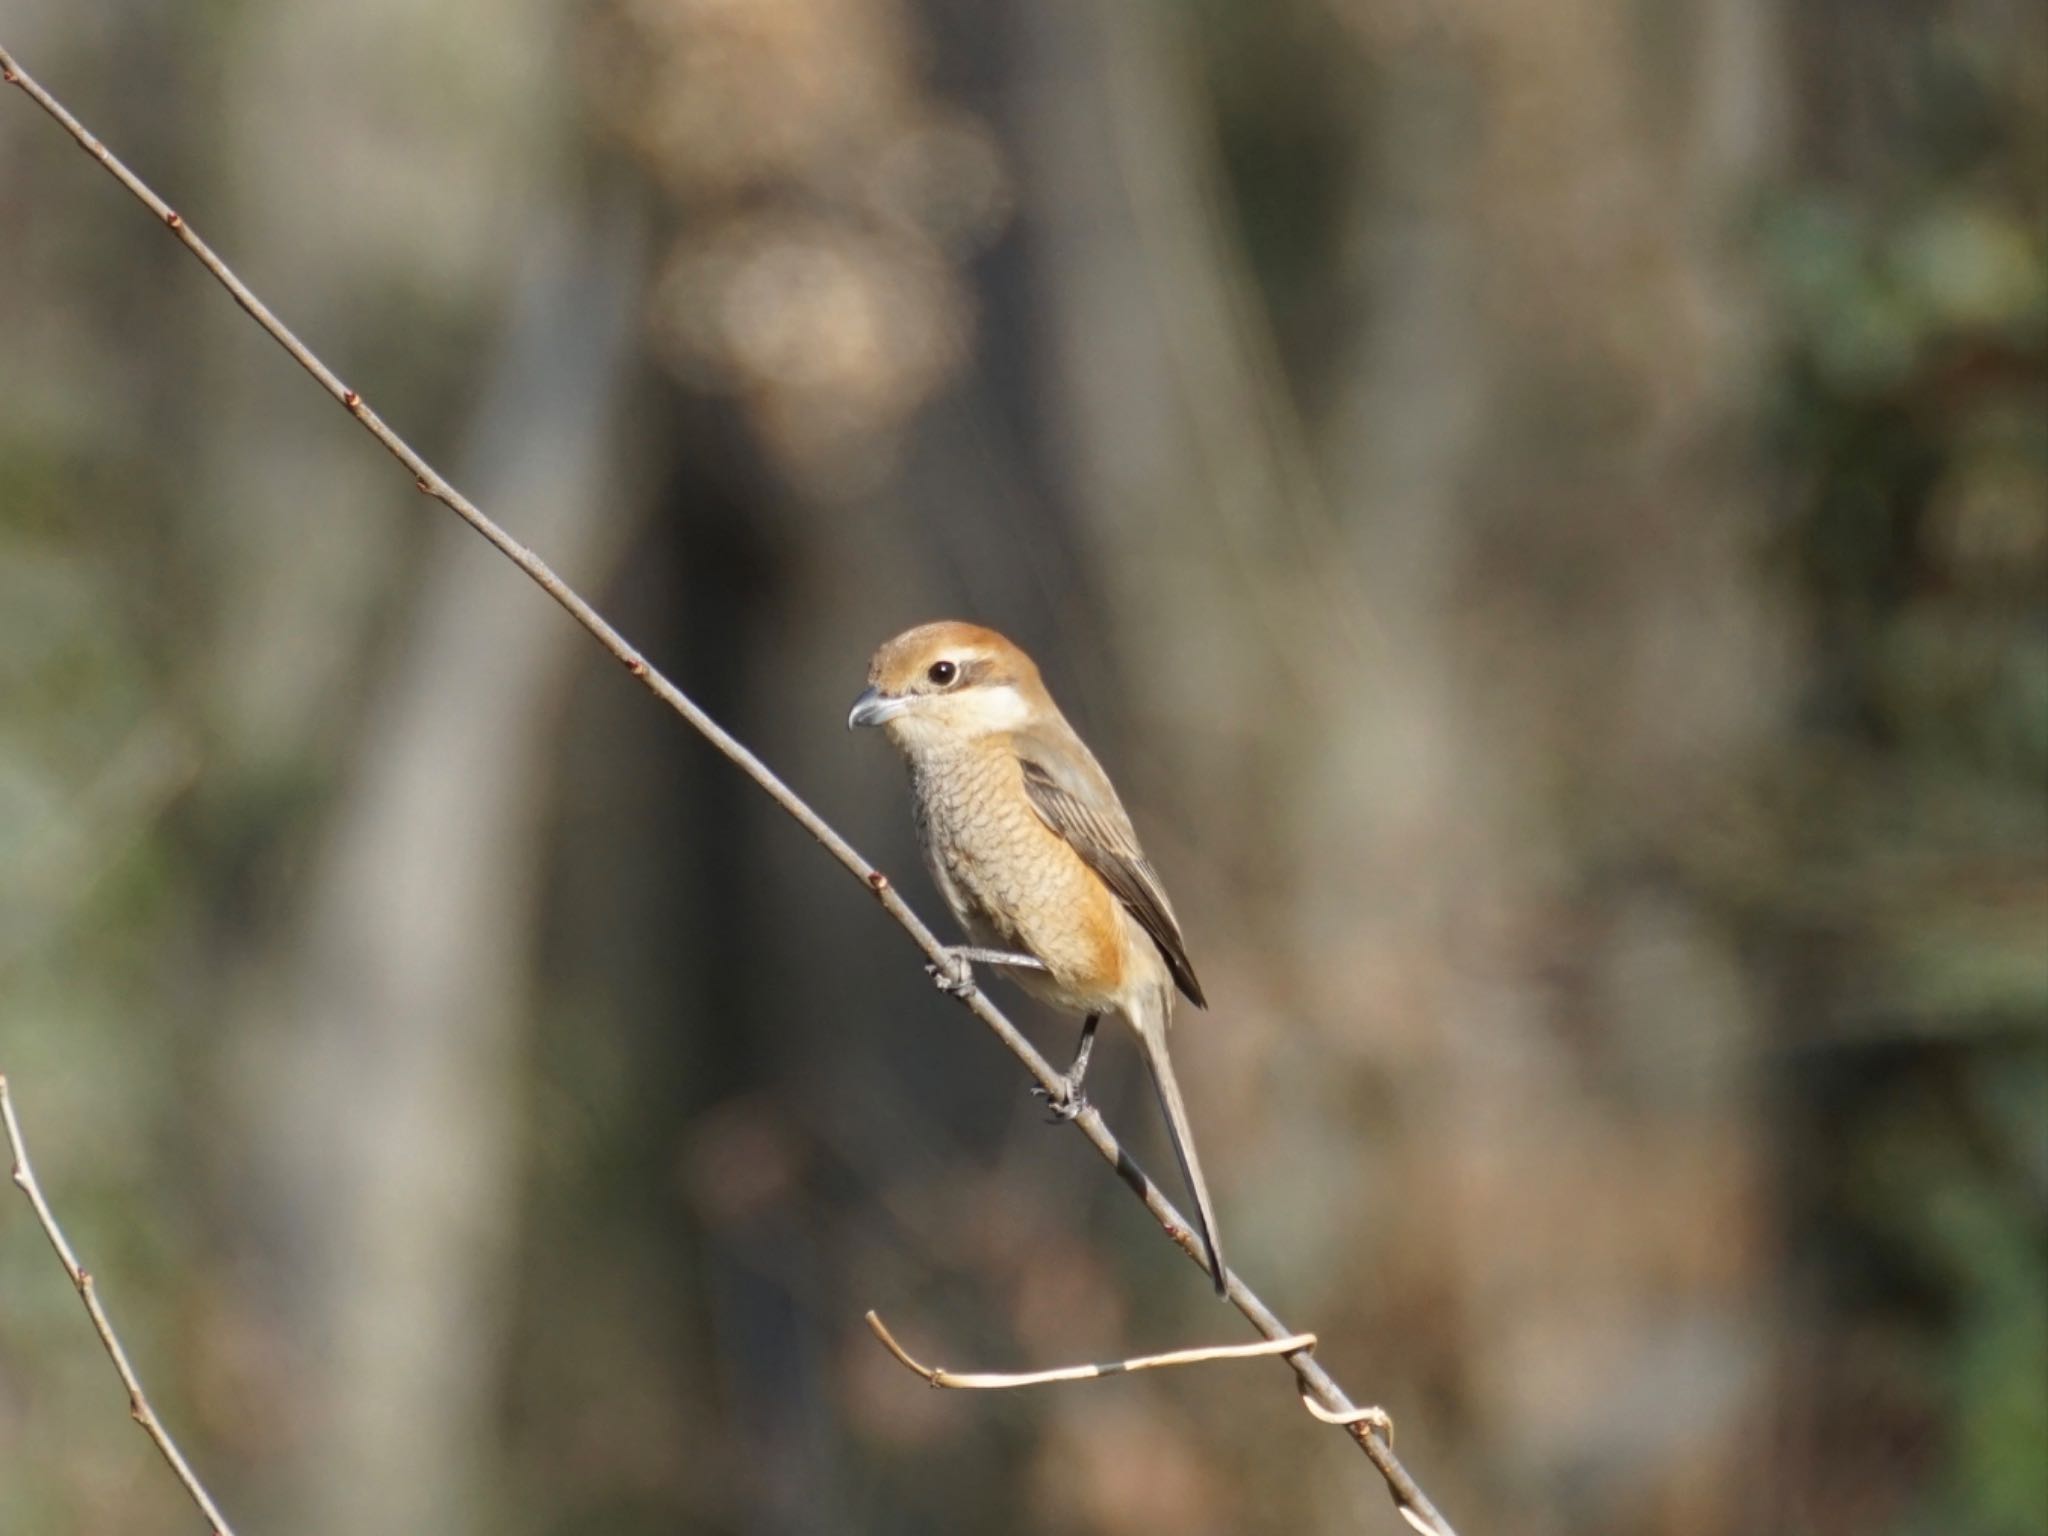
x=1031, y=848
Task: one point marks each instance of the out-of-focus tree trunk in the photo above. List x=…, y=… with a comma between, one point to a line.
x=386, y=1135
x=378, y=1066
x=1233, y=627
x=1533, y=449
x=1462, y=854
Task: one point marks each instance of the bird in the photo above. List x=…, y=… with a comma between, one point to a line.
x=1033, y=852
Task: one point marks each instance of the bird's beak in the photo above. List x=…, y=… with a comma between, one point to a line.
x=874, y=707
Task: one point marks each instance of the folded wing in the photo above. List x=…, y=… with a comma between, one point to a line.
x=1075, y=799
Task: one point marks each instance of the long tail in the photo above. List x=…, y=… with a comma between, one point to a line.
x=1151, y=1029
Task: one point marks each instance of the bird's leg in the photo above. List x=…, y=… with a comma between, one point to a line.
x=1071, y=1100
x=956, y=975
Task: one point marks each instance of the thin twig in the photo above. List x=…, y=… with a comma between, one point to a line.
x=88, y=1292
x=1375, y=1419
x=1317, y=1384
x=997, y=1381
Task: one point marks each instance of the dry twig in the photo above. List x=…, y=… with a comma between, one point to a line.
x=88, y=1292
x=1375, y=1419
x=1317, y=1385
x=997, y=1381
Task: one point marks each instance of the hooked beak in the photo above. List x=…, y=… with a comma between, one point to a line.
x=874, y=707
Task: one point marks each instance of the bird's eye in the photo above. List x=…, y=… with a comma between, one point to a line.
x=941, y=673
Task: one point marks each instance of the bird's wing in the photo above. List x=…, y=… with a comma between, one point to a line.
x=1073, y=796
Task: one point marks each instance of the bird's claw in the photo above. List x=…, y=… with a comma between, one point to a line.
x=954, y=977
x=1063, y=1106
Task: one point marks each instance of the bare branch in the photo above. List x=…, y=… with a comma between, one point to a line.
x=1317, y=1384
x=1377, y=1420
x=996, y=1381
x=88, y=1292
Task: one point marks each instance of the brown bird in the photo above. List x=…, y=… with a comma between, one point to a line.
x=1028, y=843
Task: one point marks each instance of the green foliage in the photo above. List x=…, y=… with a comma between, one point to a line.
x=1911, y=419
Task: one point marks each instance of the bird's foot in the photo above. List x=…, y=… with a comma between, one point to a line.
x=1064, y=1105
x=954, y=976
x=1068, y=1103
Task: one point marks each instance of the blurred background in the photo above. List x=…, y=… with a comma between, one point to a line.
x=1542, y=508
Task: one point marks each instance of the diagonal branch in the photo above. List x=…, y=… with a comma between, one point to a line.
x=88, y=1292
x=1317, y=1384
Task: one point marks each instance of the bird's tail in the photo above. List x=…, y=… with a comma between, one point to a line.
x=1152, y=1032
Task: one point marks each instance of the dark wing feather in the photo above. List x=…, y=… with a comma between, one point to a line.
x=1085, y=811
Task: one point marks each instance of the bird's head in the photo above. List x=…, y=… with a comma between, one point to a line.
x=944, y=683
